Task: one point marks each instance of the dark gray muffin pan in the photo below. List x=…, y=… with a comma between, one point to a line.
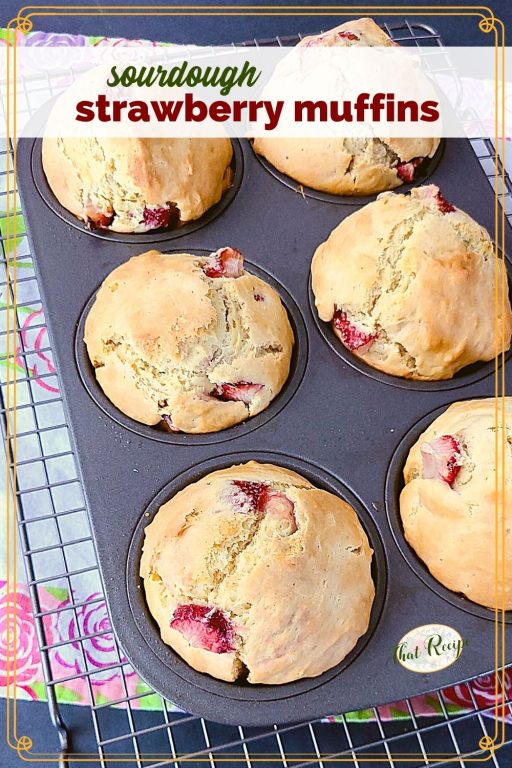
x=342, y=425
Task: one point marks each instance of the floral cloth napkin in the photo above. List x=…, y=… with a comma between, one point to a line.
x=108, y=685
x=98, y=656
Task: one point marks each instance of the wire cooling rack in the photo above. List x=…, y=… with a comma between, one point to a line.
x=50, y=508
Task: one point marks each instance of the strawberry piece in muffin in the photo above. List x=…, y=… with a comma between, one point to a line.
x=226, y=262
x=261, y=499
x=160, y=218
x=247, y=496
x=443, y=205
x=242, y=391
x=278, y=506
x=442, y=459
x=204, y=627
x=346, y=35
x=406, y=171
x=95, y=218
x=169, y=424
x=353, y=338
x=431, y=192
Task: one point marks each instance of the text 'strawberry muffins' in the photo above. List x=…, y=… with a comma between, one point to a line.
x=193, y=343
x=349, y=165
x=137, y=184
x=253, y=572
x=453, y=506
x=408, y=283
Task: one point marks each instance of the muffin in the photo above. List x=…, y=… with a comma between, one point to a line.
x=345, y=165
x=408, y=283
x=450, y=507
x=194, y=343
x=252, y=572
x=137, y=184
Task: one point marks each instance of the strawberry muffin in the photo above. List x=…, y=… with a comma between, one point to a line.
x=452, y=506
x=193, y=343
x=137, y=184
x=348, y=166
x=408, y=283
x=254, y=573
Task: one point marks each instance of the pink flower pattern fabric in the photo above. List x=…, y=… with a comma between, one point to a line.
x=109, y=671
x=18, y=625
x=38, y=343
x=97, y=655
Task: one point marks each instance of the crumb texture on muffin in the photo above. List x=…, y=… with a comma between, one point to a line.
x=195, y=341
x=137, y=184
x=452, y=505
x=253, y=572
x=408, y=283
x=348, y=166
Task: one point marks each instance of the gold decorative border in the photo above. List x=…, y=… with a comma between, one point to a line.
x=488, y=22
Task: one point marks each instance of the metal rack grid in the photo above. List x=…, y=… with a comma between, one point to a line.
x=50, y=508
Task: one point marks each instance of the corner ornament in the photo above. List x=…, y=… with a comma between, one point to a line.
x=487, y=23
x=487, y=743
x=20, y=24
x=23, y=744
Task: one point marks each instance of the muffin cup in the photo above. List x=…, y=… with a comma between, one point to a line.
x=297, y=367
x=156, y=236
x=242, y=691
x=470, y=374
x=394, y=485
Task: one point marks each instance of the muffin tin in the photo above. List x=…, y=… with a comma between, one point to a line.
x=346, y=431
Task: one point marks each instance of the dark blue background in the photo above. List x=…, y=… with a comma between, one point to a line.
x=33, y=719
x=226, y=29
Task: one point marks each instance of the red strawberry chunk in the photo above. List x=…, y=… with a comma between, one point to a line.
x=204, y=627
x=258, y=297
x=260, y=498
x=249, y=495
x=96, y=219
x=351, y=336
x=314, y=41
x=442, y=459
x=242, y=391
x=278, y=506
x=169, y=423
x=431, y=192
x=346, y=35
x=226, y=262
x=443, y=205
x=159, y=217
x=405, y=171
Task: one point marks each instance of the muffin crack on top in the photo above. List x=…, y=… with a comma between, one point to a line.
x=222, y=561
x=241, y=567
x=388, y=261
x=193, y=343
